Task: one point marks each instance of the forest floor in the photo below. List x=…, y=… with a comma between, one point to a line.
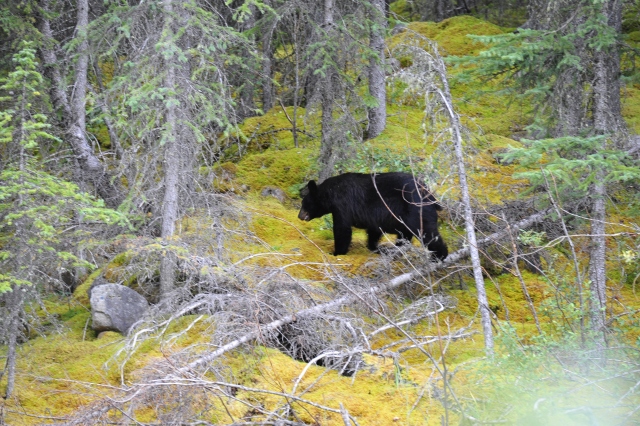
x=532, y=379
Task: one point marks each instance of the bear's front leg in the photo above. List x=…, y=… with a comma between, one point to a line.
x=341, y=235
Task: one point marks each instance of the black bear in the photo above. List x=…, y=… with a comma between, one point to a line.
x=394, y=203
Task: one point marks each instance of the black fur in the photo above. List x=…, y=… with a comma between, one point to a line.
x=394, y=203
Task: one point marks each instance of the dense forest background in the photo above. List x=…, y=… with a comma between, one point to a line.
x=162, y=146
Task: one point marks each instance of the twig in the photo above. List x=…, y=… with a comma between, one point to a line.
x=348, y=299
x=411, y=320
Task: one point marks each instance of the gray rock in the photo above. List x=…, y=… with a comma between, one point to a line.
x=98, y=281
x=272, y=191
x=399, y=28
x=115, y=307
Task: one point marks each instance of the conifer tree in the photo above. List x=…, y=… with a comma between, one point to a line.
x=571, y=65
x=71, y=106
x=169, y=96
x=40, y=214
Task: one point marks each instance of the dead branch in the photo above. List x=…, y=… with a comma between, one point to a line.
x=413, y=318
x=187, y=375
x=348, y=299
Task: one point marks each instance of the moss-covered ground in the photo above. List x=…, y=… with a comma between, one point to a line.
x=62, y=371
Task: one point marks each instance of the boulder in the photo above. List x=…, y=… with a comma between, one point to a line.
x=272, y=191
x=115, y=307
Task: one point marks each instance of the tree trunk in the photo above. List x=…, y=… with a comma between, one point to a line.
x=296, y=87
x=267, y=70
x=597, y=268
x=377, y=87
x=246, y=104
x=481, y=292
x=569, y=104
x=607, y=111
x=327, y=156
x=171, y=163
x=73, y=112
x=607, y=119
x=14, y=300
x=536, y=11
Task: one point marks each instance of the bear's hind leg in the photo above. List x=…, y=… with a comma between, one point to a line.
x=403, y=238
x=373, y=237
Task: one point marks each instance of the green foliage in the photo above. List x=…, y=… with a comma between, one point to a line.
x=571, y=164
x=532, y=381
x=370, y=158
x=530, y=62
x=20, y=123
x=200, y=50
x=42, y=215
x=17, y=21
x=42, y=218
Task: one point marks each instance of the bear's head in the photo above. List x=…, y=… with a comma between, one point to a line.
x=312, y=205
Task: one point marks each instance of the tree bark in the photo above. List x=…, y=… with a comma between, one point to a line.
x=246, y=106
x=481, y=292
x=536, y=15
x=607, y=111
x=607, y=119
x=92, y=170
x=327, y=156
x=377, y=88
x=14, y=300
x=268, y=101
x=597, y=262
x=171, y=163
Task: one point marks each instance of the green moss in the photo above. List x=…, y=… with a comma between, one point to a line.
x=274, y=130
x=631, y=107
x=224, y=175
x=383, y=386
x=81, y=294
x=280, y=168
x=401, y=9
x=451, y=34
x=114, y=270
x=52, y=369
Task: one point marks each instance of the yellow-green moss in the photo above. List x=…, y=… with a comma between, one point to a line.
x=274, y=130
x=283, y=169
x=80, y=294
x=113, y=271
x=631, y=107
x=224, y=175
x=451, y=34
x=55, y=364
x=401, y=9
x=382, y=385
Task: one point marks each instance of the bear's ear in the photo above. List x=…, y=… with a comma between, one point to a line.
x=313, y=188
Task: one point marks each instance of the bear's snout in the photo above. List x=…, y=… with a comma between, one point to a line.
x=303, y=215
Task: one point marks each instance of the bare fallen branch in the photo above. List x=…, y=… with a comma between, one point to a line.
x=348, y=299
x=441, y=307
x=187, y=375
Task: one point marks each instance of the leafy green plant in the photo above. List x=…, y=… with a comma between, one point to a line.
x=531, y=237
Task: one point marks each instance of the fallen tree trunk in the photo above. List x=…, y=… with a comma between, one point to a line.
x=348, y=299
x=99, y=411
